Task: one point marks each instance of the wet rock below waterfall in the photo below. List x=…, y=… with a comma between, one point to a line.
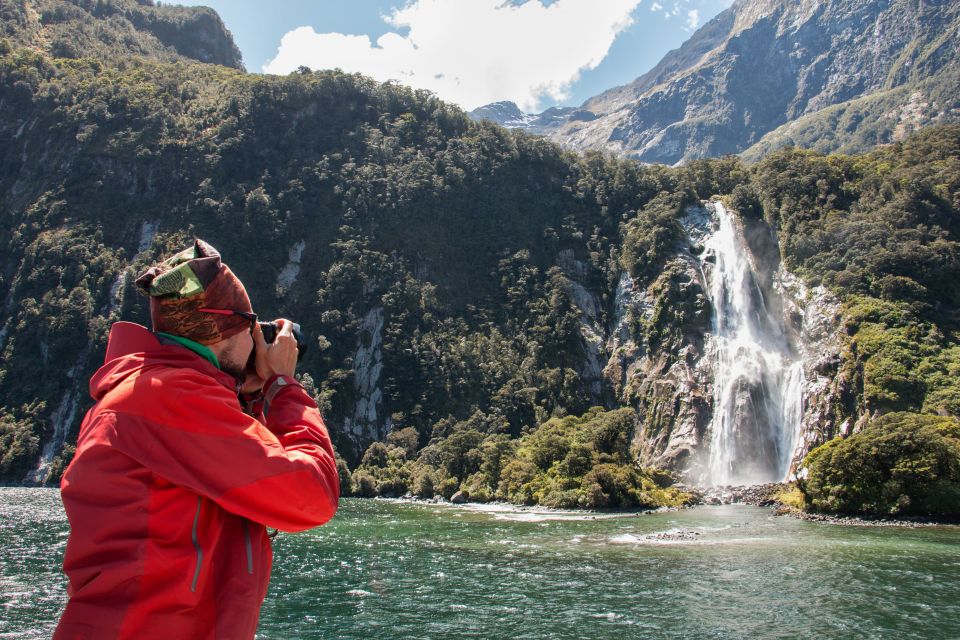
x=761, y=495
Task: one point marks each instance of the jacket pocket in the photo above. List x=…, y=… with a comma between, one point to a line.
x=195, y=538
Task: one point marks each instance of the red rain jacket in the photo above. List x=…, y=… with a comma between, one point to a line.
x=171, y=490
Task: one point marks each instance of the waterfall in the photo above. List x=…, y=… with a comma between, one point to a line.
x=758, y=381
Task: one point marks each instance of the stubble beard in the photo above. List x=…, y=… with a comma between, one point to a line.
x=231, y=363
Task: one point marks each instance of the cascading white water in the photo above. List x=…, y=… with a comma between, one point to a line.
x=758, y=382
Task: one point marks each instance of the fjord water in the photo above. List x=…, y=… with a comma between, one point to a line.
x=399, y=570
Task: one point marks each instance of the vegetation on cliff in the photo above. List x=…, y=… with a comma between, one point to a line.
x=112, y=29
x=881, y=230
x=901, y=464
x=432, y=242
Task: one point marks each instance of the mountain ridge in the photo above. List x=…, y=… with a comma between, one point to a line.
x=763, y=64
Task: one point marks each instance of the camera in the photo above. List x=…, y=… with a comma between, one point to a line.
x=271, y=329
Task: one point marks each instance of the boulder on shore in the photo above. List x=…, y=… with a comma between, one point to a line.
x=459, y=497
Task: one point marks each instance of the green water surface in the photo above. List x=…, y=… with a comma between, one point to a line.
x=398, y=570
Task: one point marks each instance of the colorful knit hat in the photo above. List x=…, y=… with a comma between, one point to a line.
x=195, y=279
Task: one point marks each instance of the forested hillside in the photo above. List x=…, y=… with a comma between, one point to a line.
x=110, y=29
x=447, y=271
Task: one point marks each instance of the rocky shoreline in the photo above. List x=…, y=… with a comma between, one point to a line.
x=766, y=495
x=760, y=495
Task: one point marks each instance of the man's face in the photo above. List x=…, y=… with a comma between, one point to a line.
x=236, y=353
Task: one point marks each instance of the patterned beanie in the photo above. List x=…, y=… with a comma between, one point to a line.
x=195, y=279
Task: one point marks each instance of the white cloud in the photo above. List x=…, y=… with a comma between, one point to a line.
x=693, y=18
x=656, y=6
x=472, y=52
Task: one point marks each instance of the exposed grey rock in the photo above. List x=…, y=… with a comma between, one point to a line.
x=670, y=386
x=828, y=394
x=365, y=426
x=288, y=275
x=459, y=497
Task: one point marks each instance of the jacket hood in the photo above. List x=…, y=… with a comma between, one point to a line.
x=131, y=348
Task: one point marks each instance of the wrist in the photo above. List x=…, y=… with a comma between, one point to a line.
x=276, y=383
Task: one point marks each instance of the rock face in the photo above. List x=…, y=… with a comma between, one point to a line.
x=368, y=363
x=771, y=67
x=829, y=395
x=664, y=376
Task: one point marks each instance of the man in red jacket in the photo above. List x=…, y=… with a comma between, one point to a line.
x=173, y=486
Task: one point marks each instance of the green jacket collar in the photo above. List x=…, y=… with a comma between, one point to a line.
x=201, y=350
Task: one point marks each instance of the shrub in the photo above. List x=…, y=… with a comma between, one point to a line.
x=346, y=481
x=405, y=439
x=612, y=485
x=448, y=487
x=421, y=483
x=744, y=200
x=392, y=486
x=514, y=477
x=364, y=484
x=478, y=487
x=900, y=464
x=375, y=456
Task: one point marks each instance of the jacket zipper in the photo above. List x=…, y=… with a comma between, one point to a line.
x=246, y=539
x=196, y=545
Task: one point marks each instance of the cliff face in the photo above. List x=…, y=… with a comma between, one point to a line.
x=408, y=241
x=826, y=74
x=110, y=29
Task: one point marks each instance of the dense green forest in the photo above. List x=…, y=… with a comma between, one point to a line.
x=435, y=273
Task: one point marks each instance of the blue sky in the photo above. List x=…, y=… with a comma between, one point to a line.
x=538, y=53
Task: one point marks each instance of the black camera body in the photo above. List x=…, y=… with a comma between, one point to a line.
x=270, y=331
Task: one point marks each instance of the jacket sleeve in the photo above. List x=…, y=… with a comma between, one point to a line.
x=191, y=431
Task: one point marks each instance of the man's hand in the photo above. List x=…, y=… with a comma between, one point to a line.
x=278, y=358
x=252, y=383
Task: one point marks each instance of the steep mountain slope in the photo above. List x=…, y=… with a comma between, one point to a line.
x=107, y=29
x=881, y=117
x=771, y=67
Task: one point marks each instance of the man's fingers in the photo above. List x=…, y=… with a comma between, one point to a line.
x=258, y=339
x=286, y=329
